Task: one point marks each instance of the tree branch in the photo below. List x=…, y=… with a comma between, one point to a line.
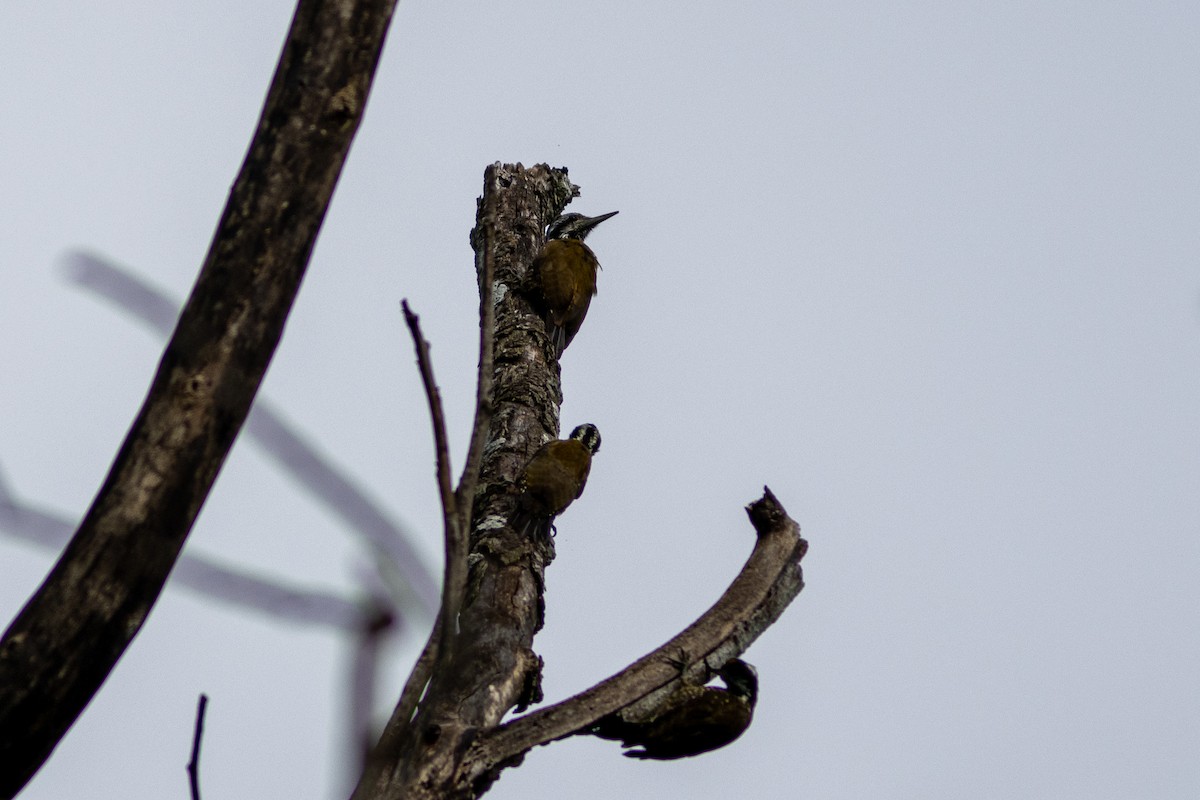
x=383, y=756
x=455, y=568
x=414, y=687
x=768, y=582
x=68, y=637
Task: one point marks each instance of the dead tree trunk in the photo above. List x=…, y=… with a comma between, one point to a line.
x=480, y=662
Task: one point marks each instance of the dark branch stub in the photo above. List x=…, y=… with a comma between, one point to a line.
x=193, y=766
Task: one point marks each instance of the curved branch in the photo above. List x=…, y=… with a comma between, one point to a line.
x=768, y=582
x=441, y=441
x=455, y=536
x=68, y=637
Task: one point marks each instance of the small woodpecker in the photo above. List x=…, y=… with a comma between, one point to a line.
x=692, y=720
x=564, y=277
x=554, y=477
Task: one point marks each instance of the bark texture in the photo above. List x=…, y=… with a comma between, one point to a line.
x=68, y=637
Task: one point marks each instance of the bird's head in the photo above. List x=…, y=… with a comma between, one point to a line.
x=575, y=226
x=741, y=679
x=589, y=434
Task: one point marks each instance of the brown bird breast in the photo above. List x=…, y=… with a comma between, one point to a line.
x=556, y=475
x=566, y=275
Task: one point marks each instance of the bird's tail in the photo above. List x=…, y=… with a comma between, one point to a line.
x=642, y=754
x=531, y=525
x=558, y=336
x=613, y=727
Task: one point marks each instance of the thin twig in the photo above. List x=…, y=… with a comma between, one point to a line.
x=455, y=535
x=193, y=767
x=485, y=268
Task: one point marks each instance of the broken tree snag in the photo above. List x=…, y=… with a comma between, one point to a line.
x=491, y=667
x=453, y=747
x=68, y=637
x=766, y=585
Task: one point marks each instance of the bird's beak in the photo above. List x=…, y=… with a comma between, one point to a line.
x=592, y=222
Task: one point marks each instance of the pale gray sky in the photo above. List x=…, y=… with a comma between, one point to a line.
x=929, y=270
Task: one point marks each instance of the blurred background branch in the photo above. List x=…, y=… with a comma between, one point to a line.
x=399, y=565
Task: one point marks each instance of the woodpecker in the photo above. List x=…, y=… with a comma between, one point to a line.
x=692, y=720
x=564, y=275
x=554, y=477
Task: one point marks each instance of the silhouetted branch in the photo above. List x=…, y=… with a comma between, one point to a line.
x=399, y=564
x=455, y=535
x=193, y=767
x=768, y=582
x=123, y=289
x=68, y=637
